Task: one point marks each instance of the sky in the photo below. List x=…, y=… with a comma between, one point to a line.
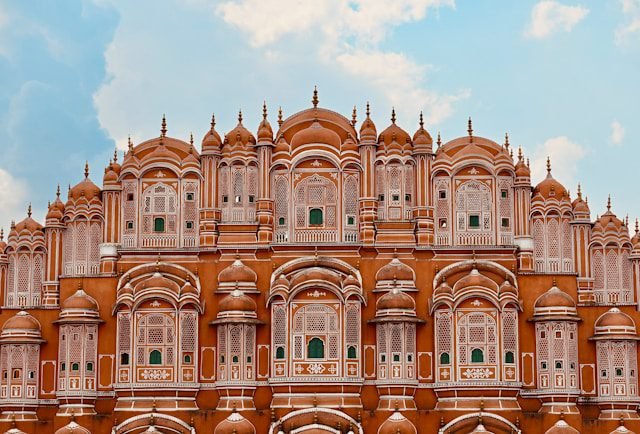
x=77, y=77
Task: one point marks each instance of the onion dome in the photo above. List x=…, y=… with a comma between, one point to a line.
x=237, y=275
x=80, y=307
x=28, y=225
x=237, y=301
x=555, y=304
x=239, y=135
x=56, y=208
x=157, y=280
x=394, y=134
x=442, y=290
x=281, y=283
x=475, y=279
x=580, y=206
x=562, y=427
x=610, y=224
x=368, y=133
x=396, y=300
x=235, y=423
x=21, y=327
x=395, y=270
x=211, y=140
x=507, y=288
x=85, y=188
x=73, y=428
x=265, y=132
x=422, y=138
x=350, y=281
x=397, y=423
x=614, y=324
x=522, y=170
x=110, y=176
x=549, y=187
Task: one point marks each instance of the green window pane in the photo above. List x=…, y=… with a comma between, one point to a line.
x=315, y=216
x=351, y=352
x=158, y=224
x=90, y=367
x=508, y=357
x=280, y=353
x=315, y=349
x=445, y=359
x=477, y=356
x=155, y=358
x=474, y=221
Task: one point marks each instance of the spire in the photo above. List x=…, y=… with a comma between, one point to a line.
x=115, y=155
x=470, y=128
x=264, y=110
x=579, y=191
x=2, y=232
x=438, y=140
x=280, y=116
x=421, y=122
x=609, y=203
x=368, y=111
x=354, y=117
x=637, y=228
x=163, y=128
x=29, y=210
x=548, y=166
x=519, y=153
x=314, y=100
x=58, y=192
x=240, y=117
x=86, y=169
x=191, y=139
x=506, y=140
x=213, y=121
x=130, y=143
x=393, y=115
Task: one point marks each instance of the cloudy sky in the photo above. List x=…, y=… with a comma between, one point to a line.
x=78, y=76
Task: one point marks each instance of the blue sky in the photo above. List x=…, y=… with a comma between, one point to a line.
x=79, y=76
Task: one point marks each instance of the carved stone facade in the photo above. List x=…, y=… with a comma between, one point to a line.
x=322, y=279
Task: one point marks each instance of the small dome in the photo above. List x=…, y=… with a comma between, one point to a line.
x=28, y=224
x=265, y=132
x=80, y=300
x=396, y=300
x=368, y=133
x=397, y=423
x=237, y=272
x=211, y=140
x=609, y=222
x=422, y=136
x=508, y=288
x=395, y=270
x=73, y=428
x=562, y=427
x=622, y=429
x=21, y=321
x=550, y=188
x=393, y=133
x=554, y=297
x=109, y=175
x=522, y=170
x=239, y=134
x=157, y=280
x=56, y=208
x=475, y=279
x=443, y=289
x=237, y=301
x=579, y=205
x=615, y=324
x=85, y=188
x=235, y=423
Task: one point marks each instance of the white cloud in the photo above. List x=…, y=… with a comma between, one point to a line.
x=631, y=10
x=13, y=197
x=617, y=132
x=549, y=17
x=564, y=155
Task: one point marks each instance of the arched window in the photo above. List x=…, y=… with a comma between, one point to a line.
x=158, y=224
x=315, y=349
x=445, y=359
x=509, y=357
x=155, y=357
x=351, y=352
x=477, y=356
x=280, y=353
x=473, y=214
x=315, y=217
x=124, y=359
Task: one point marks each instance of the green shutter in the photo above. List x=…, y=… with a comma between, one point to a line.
x=474, y=221
x=155, y=358
x=477, y=356
x=444, y=359
x=315, y=216
x=315, y=349
x=351, y=352
x=158, y=224
x=280, y=353
x=508, y=357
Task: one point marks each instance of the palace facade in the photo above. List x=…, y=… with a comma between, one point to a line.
x=325, y=279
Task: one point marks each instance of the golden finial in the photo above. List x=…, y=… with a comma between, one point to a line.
x=86, y=169
x=163, y=129
x=240, y=116
x=506, y=140
x=393, y=115
x=29, y=210
x=439, y=140
x=368, y=111
x=421, y=122
x=280, y=116
x=264, y=110
x=609, y=203
x=130, y=143
x=213, y=121
x=314, y=100
x=470, y=127
x=548, y=165
x=354, y=117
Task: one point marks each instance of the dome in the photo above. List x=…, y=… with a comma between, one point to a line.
x=615, y=324
x=237, y=273
x=579, y=205
x=422, y=136
x=397, y=423
x=157, y=280
x=235, y=423
x=395, y=270
x=609, y=222
x=22, y=321
x=368, y=133
x=109, y=176
x=443, y=289
x=522, y=170
x=265, y=132
x=393, y=133
x=622, y=429
x=475, y=279
x=80, y=300
x=56, y=208
x=239, y=134
x=508, y=288
x=550, y=188
x=562, y=427
x=316, y=133
x=85, y=188
x=73, y=428
x=28, y=224
x=211, y=140
x=237, y=301
x=555, y=304
x=395, y=300
x=281, y=282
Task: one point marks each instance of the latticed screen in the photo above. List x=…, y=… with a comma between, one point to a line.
x=315, y=326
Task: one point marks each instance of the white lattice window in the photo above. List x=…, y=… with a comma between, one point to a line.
x=350, y=208
x=395, y=188
x=236, y=352
x=473, y=207
x=557, y=354
x=238, y=193
x=81, y=247
x=316, y=333
x=19, y=377
x=444, y=338
x=509, y=323
x=553, y=243
x=155, y=342
x=505, y=209
x=396, y=351
x=25, y=276
x=316, y=202
x=612, y=275
x=77, y=356
x=381, y=189
x=617, y=369
x=190, y=207
x=352, y=332
x=477, y=340
x=281, y=205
